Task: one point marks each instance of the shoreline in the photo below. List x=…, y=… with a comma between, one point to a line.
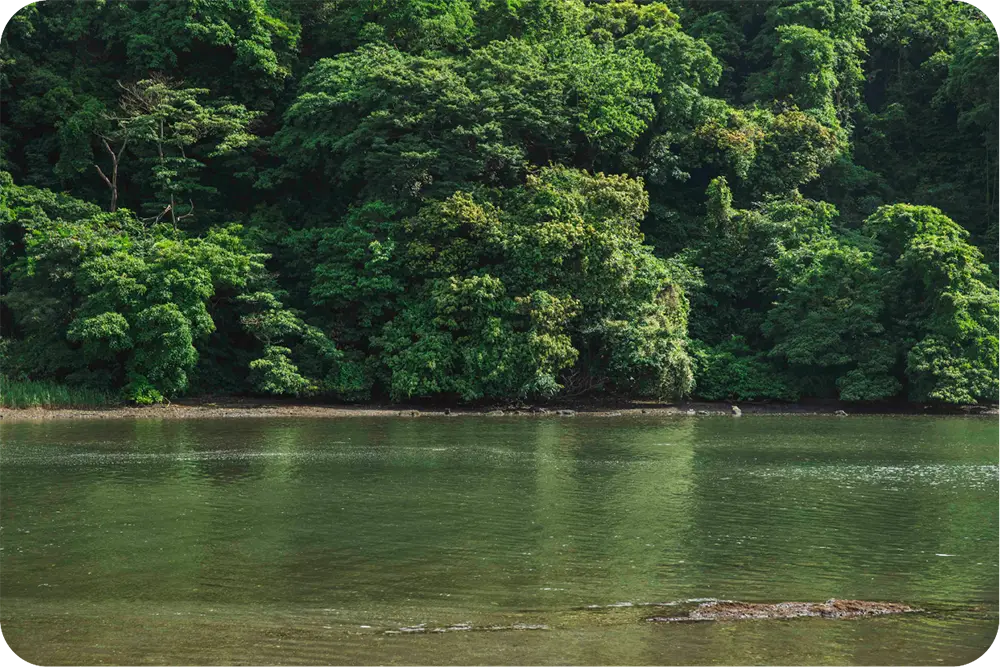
x=233, y=408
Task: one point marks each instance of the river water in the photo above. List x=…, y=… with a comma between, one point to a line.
x=494, y=540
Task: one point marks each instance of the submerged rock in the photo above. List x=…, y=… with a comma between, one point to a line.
x=463, y=627
x=738, y=611
x=415, y=628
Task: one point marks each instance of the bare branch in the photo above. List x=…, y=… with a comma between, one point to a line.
x=189, y=213
x=115, y=156
x=112, y=182
x=157, y=218
x=106, y=180
x=578, y=383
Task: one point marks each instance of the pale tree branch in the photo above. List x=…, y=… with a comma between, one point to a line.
x=157, y=218
x=112, y=182
x=189, y=213
x=106, y=180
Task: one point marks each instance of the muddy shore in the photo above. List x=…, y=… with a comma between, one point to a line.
x=236, y=407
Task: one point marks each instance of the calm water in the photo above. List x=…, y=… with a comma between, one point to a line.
x=311, y=541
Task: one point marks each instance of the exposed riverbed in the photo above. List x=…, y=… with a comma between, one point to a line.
x=240, y=408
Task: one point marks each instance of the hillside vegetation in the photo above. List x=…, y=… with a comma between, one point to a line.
x=501, y=199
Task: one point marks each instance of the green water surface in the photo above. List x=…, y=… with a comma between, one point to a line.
x=536, y=540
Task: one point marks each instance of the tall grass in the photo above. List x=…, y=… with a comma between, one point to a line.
x=45, y=394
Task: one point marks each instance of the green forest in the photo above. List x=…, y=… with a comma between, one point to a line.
x=486, y=200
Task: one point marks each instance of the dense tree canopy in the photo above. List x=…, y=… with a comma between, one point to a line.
x=500, y=199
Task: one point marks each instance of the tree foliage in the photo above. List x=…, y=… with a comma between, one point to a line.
x=499, y=199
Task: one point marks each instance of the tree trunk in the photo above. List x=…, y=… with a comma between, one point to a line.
x=112, y=182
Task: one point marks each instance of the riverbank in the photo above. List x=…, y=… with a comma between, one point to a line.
x=230, y=407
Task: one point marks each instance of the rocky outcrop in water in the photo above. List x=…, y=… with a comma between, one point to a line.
x=738, y=611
